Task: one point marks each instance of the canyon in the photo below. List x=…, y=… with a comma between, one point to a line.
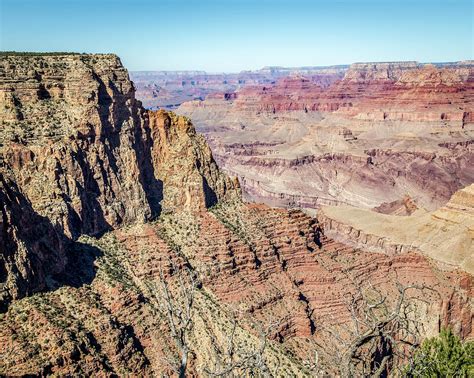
x=125, y=249
x=169, y=89
x=380, y=133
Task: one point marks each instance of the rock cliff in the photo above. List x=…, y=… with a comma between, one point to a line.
x=86, y=156
x=79, y=141
x=106, y=218
x=192, y=181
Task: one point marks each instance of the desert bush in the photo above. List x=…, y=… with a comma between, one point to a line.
x=443, y=356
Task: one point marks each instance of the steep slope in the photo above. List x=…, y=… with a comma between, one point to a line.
x=169, y=271
x=31, y=249
x=80, y=151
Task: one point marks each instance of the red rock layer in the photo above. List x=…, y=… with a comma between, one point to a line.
x=378, y=91
x=293, y=261
x=100, y=314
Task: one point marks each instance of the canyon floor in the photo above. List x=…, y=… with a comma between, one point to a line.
x=127, y=250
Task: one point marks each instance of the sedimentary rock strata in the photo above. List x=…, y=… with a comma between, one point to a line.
x=382, y=132
x=121, y=209
x=445, y=235
x=80, y=127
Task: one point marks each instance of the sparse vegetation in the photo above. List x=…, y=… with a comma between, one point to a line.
x=175, y=303
x=237, y=358
x=443, y=356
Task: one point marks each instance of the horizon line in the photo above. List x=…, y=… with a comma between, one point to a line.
x=212, y=72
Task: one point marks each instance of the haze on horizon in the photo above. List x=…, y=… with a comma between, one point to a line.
x=236, y=35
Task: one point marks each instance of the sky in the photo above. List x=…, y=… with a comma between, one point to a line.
x=235, y=35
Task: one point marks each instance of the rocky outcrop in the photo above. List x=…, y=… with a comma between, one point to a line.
x=405, y=206
x=381, y=72
x=96, y=218
x=183, y=162
x=87, y=158
x=80, y=142
x=269, y=265
x=367, y=179
x=409, y=92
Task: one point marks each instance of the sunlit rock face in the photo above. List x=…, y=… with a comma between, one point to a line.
x=102, y=201
x=79, y=142
x=81, y=156
x=382, y=132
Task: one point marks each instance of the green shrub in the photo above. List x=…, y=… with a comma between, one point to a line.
x=443, y=356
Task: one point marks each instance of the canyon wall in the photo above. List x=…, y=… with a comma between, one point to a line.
x=382, y=132
x=116, y=201
x=84, y=155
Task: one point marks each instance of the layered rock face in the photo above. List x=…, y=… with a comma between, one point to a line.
x=82, y=152
x=397, y=91
x=445, y=234
x=76, y=141
x=383, y=132
x=411, y=92
x=121, y=201
x=169, y=89
x=405, y=91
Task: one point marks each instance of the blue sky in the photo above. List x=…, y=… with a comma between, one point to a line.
x=233, y=35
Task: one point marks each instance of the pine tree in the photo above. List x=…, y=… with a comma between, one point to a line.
x=443, y=356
